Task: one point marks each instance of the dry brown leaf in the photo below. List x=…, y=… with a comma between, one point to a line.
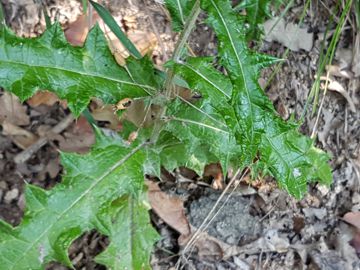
x=290, y=35
x=53, y=167
x=214, y=170
x=352, y=218
x=12, y=110
x=333, y=85
x=338, y=72
x=144, y=42
x=168, y=208
x=78, y=30
x=45, y=98
x=106, y=113
x=79, y=138
x=21, y=137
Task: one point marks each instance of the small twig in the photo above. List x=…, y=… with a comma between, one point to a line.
x=313, y=134
x=23, y=156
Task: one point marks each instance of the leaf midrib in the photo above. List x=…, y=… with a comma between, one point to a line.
x=240, y=64
x=80, y=74
x=206, y=79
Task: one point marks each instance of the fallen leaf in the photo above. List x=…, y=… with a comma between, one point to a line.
x=53, y=167
x=78, y=30
x=333, y=85
x=21, y=137
x=336, y=71
x=352, y=218
x=355, y=243
x=145, y=42
x=168, y=208
x=79, y=138
x=45, y=98
x=290, y=35
x=214, y=170
x=12, y=110
x=106, y=113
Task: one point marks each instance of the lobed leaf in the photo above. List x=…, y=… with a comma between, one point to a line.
x=248, y=113
x=73, y=73
x=86, y=199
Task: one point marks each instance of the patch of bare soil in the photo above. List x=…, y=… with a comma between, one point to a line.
x=256, y=226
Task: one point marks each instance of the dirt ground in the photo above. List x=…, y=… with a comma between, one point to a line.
x=259, y=226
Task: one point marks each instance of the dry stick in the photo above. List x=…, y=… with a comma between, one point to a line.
x=314, y=131
x=28, y=152
x=207, y=221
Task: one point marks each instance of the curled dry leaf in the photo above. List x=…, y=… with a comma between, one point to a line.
x=123, y=104
x=214, y=170
x=106, y=113
x=168, y=208
x=336, y=86
x=12, y=110
x=352, y=218
x=21, y=137
x=339, y=72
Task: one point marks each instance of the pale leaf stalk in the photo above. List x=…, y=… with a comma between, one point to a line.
x=168, y=85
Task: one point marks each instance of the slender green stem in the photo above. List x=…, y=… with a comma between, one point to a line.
x=189, y=24
x=2, y=17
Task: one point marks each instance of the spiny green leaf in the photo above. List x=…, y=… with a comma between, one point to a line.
x=252, y=119
x=73, y=73
x=200, y=74
x=179, y=10
x=132, y=237
x=85, y=200
x=203, y=133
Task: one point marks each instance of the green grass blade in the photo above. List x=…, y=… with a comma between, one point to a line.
x=114, y=27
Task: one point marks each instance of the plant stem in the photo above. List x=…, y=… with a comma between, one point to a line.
x=190, y=22
x=168, y=85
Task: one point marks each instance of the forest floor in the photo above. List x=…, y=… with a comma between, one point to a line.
x=260, y=226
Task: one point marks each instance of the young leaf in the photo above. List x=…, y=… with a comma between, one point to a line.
x=179, y=10
x=73, y=73
x=85, y=200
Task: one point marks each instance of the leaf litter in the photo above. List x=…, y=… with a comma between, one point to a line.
x=314, y=226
